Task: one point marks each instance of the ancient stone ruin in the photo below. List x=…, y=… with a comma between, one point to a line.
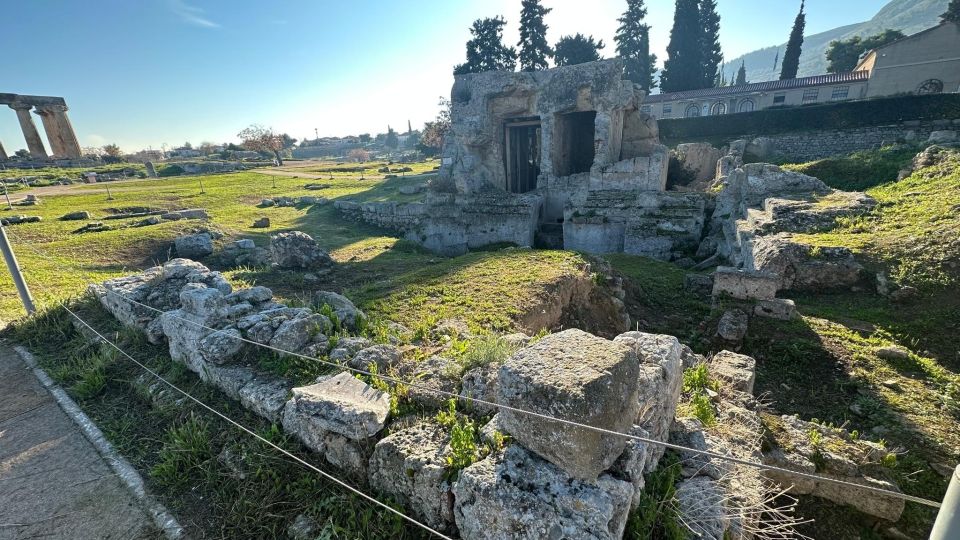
x=53, y=112
x=558, y=158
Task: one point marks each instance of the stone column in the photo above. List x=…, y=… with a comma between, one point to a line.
x=30, y=133
x=3, y=153
x=52, y=129
x=71, y=147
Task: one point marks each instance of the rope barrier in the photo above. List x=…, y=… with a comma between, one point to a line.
x=572, y=423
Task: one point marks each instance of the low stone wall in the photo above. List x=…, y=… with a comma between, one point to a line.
x=818, y=144
x=548, y=481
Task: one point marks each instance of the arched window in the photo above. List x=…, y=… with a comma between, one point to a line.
x=692, y=110
x=718, y=108
x=930, y=86
x=746, y=105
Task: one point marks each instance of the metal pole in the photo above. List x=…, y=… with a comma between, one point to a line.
x=7, y=195
x=947, y=526
x=14, y=267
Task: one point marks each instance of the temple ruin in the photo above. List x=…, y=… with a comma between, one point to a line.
x=53, y=113
x=560, y=158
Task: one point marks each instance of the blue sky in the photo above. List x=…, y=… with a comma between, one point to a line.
x=145, y=73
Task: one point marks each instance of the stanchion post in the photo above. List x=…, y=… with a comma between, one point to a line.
x=11, y=260
x=947, y=526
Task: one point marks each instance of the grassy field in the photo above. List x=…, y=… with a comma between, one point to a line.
x=824, y=366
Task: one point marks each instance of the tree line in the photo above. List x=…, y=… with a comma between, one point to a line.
x=694, y=56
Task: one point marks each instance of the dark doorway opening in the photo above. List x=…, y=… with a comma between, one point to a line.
x=574, y=138
x=522, y=156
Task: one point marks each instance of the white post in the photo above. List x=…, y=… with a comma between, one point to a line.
x=947, y=526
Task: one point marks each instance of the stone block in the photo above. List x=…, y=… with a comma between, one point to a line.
x=776, y=308
x=194, y=246
x=574, y=376
x=735, y=371
x=409, y=465
x=745, y=284
x=517, y=495
x=340, y=404
x=733, y=325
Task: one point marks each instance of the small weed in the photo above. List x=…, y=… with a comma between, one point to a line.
x=186, y=451
x=486, y=350
x=656, y=515
x=702, y=409
x=697, y=379
x=464, y=447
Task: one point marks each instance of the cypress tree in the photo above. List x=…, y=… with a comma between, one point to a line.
x=683, y=69
x=710, y=42
x=791, y=58
x=533, y=37
x=952, y=14
x=741, y=74
x=633, y=45
x=486, y=51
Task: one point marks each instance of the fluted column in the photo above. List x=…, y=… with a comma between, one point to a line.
x=71, y=147
x=30, y=133
x=52, y=129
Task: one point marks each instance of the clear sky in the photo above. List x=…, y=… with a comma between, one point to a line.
x=143, y=73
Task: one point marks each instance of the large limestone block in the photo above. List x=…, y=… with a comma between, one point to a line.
x=347, y=313
x=745, y=284
x=660, y=380
x=297, y=250
x=700, y=504
x=194, y=246
x=736, y=371
x=805, y=267
x=575, y=376
x=341, y=404
x=519, y=496
x=410, y=466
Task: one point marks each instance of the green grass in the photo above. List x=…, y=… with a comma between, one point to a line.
x=659, y=298
x=220, y=482
x=914, y=231
x=860, y=170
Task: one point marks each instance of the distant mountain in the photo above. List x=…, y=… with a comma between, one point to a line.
x=908, y=16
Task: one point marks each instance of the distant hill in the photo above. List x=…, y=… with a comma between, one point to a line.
x=908, y=16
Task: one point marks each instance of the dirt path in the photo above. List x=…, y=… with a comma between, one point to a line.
x=53, y=483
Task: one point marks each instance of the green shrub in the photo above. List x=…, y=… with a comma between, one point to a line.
x=486, y=350
x=464, y=447
x=170, y=170
x=702, y=409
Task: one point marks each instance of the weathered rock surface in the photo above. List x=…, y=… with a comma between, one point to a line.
x=383, y=357
x=744, y=284
x=737, y=371
x=733, y=325
x=574, y=376
x=298, y=250
x=660, y=378
x=805, y=267
x=347, y=313
x=194, y=246
x=515, y=494
x=76, y=216
x=480, y=383
x=340, y=404
x=410, y=466
x=834, y=454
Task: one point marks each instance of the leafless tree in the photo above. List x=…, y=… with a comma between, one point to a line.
x=262, y=139
x=359, y=155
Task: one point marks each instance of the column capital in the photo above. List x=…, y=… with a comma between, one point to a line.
x=17, y=106
x=51, y=108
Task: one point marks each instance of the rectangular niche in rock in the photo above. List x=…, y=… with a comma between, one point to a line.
x=573, y=143
x=522, y=156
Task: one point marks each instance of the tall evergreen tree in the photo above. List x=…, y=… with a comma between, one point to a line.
x=577, y=49
x=952, y=13
x=683, y=69
x=534, y=50
x=633, y=45
x=486, y=51
x=710, y=42
x=741, y=74
x=791, y=58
